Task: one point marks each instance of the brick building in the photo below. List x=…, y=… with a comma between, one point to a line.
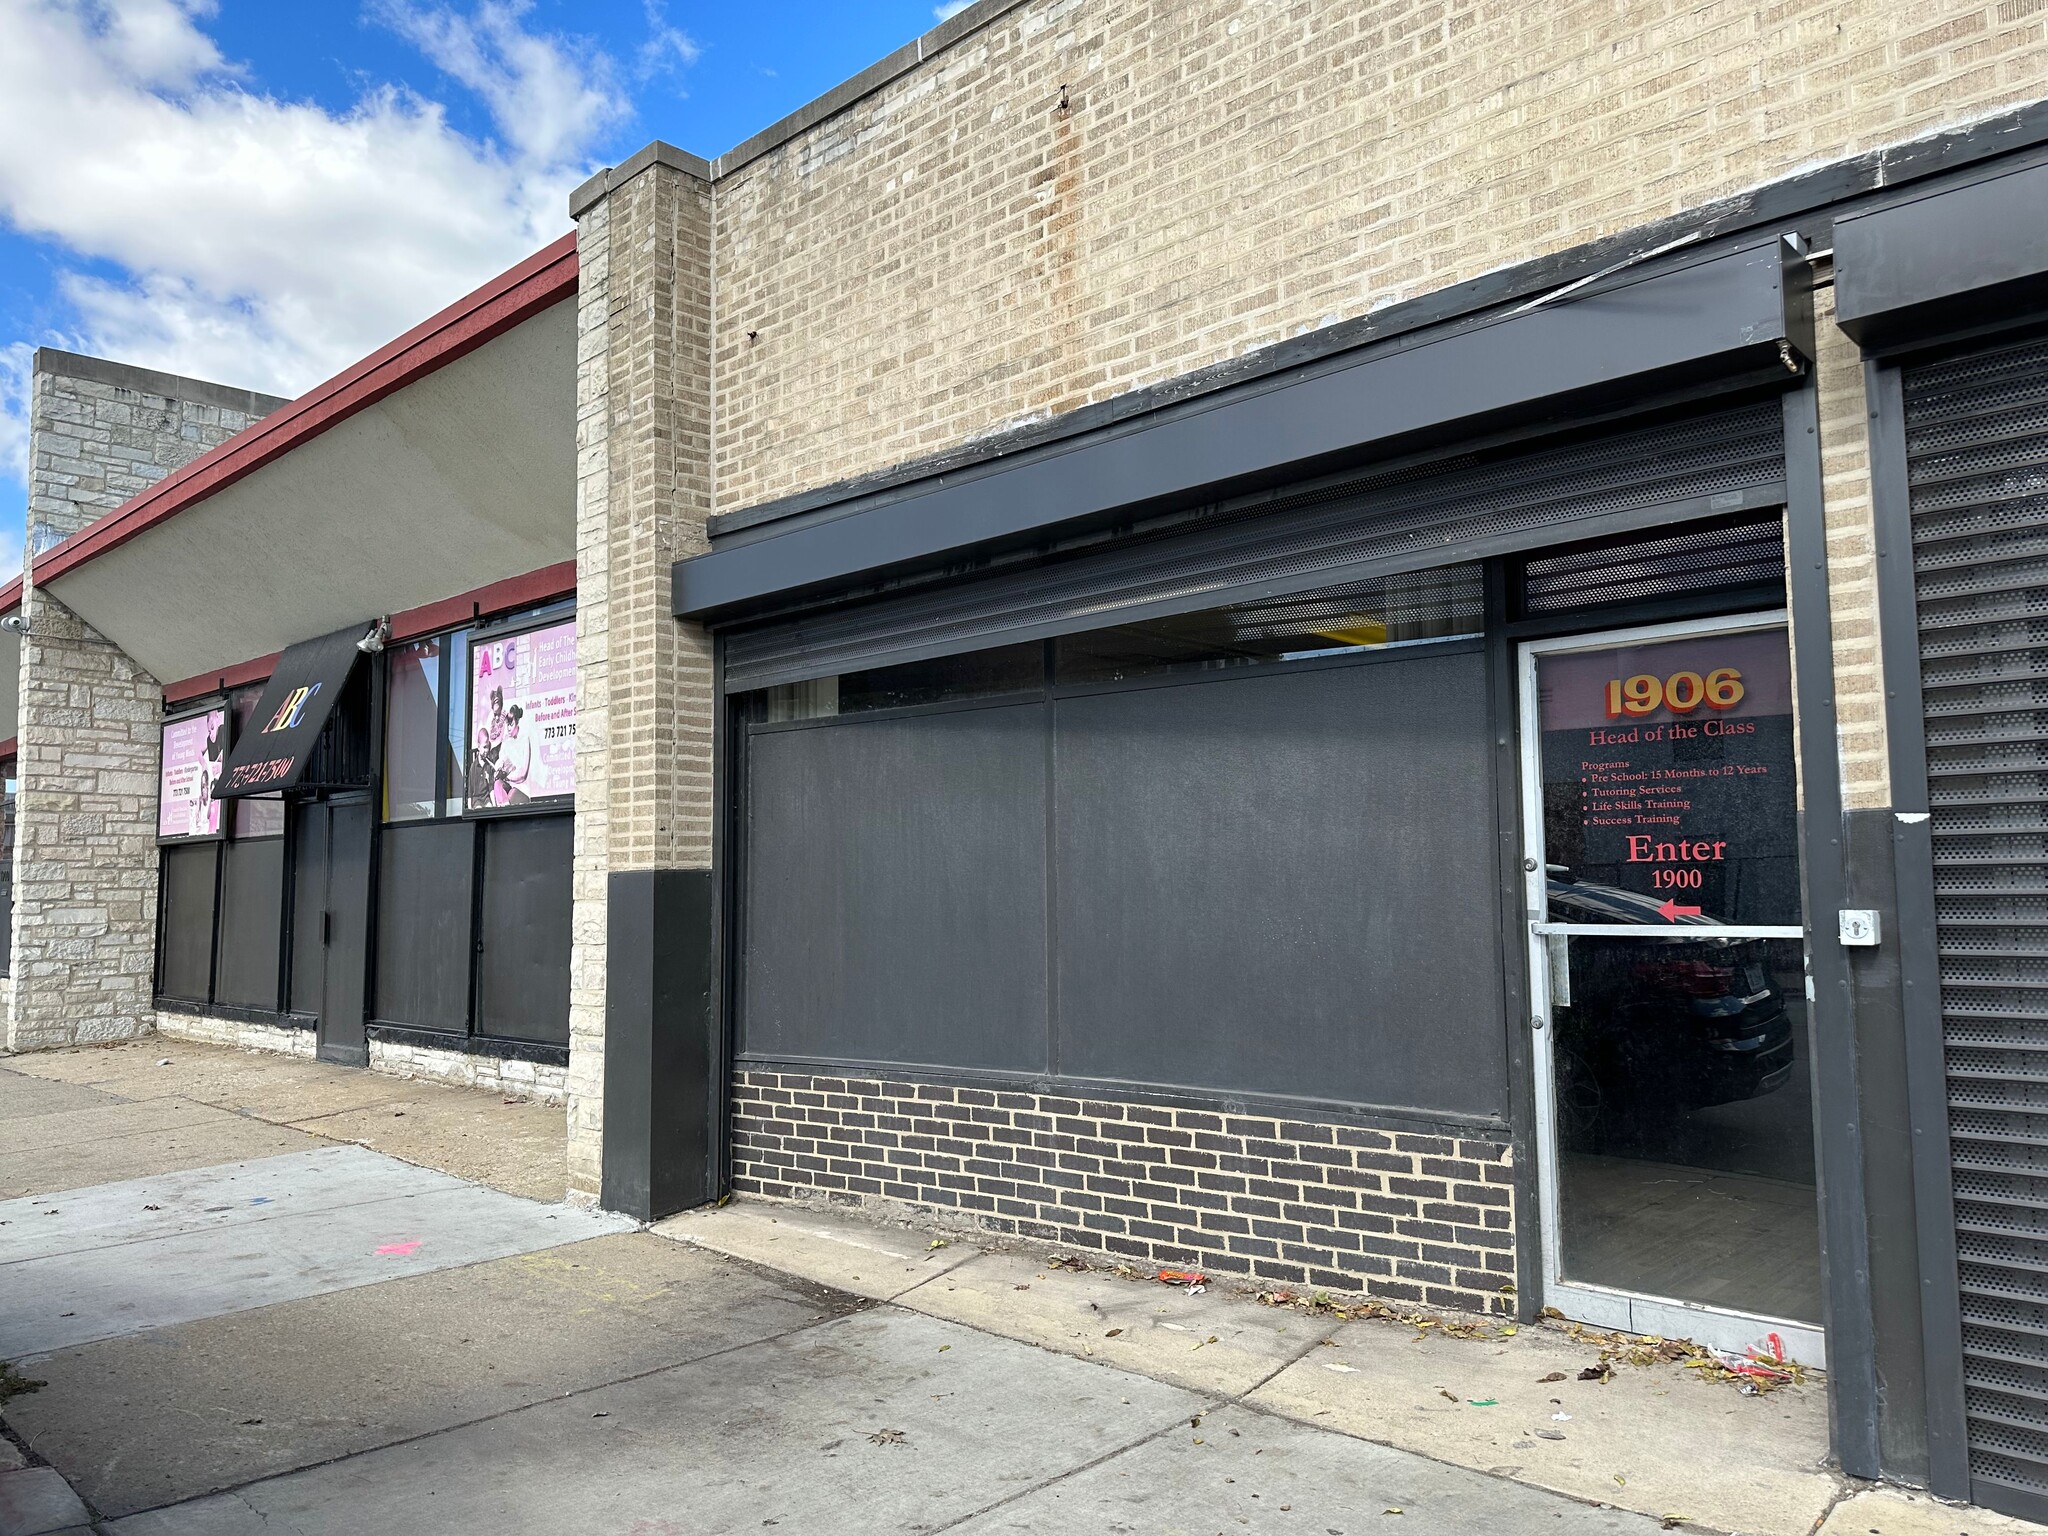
x=1393, y=647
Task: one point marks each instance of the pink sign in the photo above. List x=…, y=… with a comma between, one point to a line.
x=193, y=749
x=522, y=718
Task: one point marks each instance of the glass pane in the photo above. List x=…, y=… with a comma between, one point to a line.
x=1366, y=615
x=973, y=674
x=1685, y=1121
x=258, y=816
x=457, y=645
x=1669, y=793
x=412, y=730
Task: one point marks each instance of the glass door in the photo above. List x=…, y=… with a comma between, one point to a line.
x=1674, y=1105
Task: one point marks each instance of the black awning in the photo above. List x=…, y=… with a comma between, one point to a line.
x=273, y=749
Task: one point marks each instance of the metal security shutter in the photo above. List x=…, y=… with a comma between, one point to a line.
x=1408, y=518
x=1977, y=447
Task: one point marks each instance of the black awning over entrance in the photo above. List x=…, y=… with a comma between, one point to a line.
x=273, y=752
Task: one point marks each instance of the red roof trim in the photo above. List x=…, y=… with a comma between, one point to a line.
x=528, y=591
x=10, y=595
x=10, y=749
x=541, y=281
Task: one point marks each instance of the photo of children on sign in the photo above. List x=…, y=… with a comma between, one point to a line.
x=193, y=750
x=522, y=726
x=1668, y=780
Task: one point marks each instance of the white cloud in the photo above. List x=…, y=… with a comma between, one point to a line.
x=269, y=243
x=543, y=100
x=950, y=9
x=668, y=48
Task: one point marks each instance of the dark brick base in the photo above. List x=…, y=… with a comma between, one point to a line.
x=1405, y=1216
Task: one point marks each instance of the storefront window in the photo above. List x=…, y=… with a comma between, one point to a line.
x=457, y=646
x=1364, y=616
x=413, y=730
x=253, y=815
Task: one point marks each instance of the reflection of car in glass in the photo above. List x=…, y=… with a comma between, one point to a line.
x=1686, y=1021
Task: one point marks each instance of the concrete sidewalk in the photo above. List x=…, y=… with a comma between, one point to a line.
x=246, y=1325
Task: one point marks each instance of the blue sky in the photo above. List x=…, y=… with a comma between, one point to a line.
x=259, y=192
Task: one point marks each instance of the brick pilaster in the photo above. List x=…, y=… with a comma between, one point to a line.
x=1852, y=560
x=645, y=740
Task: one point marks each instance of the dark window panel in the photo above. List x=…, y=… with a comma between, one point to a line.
x=424, y=890
x=251, y=924
x=185, y=932
x=522, y=985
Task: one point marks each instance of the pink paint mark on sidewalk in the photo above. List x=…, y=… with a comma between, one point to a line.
x=402, y=1250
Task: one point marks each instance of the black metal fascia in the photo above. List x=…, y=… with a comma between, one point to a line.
x=1738, y=316
x=1941, y=261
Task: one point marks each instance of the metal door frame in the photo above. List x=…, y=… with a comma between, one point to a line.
x=1606, y=1306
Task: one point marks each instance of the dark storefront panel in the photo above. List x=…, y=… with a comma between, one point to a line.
x=185, y=926
x=251, y=915
x=1284, y=883
x=522, y=980
x=312, y=838
x=1977, y=447
x=895, y=906
x=424, y=884
x=1265, y=876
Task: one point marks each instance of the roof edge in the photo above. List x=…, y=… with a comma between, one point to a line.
x=57, y=363
x=540, y=282
x=806, y=117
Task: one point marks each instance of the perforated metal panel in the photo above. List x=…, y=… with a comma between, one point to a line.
x=1977, y=449
x=1407, y=518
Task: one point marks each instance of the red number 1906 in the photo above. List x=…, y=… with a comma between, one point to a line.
x=1681, y=692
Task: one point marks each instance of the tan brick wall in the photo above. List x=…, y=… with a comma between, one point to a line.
x=644, y=743
x=1852, y=561
x=593, y=681
x=955, y=253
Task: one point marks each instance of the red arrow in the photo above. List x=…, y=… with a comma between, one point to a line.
x=1671, y=911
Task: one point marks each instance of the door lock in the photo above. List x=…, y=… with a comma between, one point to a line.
x=1529, y=865
x=1535, y=1021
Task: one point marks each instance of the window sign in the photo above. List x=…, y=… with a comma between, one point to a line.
x=1669, y=793
x=522, y=719
x=189, y=770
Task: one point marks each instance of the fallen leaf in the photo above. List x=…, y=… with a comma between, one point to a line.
x=1449, y=1397
x=1549, y=1434
x=888, y=1437
x=1112, y=1333
x=1553, y=1376
x=1392, y=1509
